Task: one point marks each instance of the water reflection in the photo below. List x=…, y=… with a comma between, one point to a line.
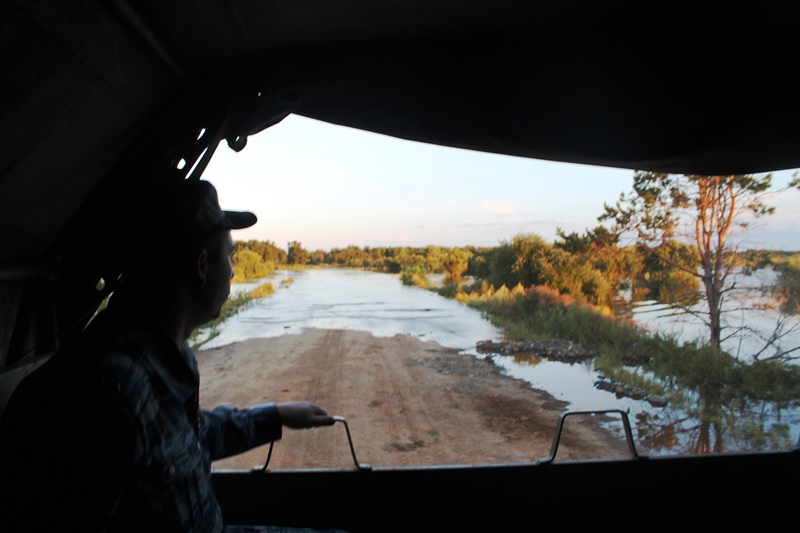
x=705, y=421
x=723, y=416
x=714, y=427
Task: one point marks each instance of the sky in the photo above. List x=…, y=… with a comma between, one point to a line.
x=329, y=187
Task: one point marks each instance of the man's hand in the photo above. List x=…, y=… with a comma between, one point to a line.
x=303, y=415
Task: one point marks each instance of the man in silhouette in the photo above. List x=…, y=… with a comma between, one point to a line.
x=108, y=435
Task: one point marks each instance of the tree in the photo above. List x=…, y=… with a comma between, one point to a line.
x=667, y=212
x=266, y=249
x=600, y=247
x=296, y=254
x=454, y=263
x=529, y=260
x=248, y=264
x=434, y=258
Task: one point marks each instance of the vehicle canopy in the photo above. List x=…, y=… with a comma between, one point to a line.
x=101, y=97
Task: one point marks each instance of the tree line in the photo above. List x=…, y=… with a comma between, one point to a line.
x=671, y=239
x=592, y=266
x=249, y=255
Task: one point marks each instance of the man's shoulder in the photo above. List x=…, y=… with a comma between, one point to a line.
x=83, y=392
x=124, y=367
x=99, y=369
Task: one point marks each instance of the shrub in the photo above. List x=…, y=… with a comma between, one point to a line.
x=262, y=291
x=249, y=265
x=415, y=275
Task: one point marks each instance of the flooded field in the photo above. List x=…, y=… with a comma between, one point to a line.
x=381, y=305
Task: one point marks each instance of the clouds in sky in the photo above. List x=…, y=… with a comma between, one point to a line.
x=497, y=208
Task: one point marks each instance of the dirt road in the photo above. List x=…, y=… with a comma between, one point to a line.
x=407, y=402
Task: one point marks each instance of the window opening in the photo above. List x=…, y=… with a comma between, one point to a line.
x=394, y=258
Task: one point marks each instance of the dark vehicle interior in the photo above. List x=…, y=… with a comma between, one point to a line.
x=102, y=97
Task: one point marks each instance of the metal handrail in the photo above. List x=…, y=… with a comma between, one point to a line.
x=560, y=427
x=359, y=466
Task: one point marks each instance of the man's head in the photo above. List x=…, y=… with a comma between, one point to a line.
x=185, y=211
x=177, y=236
x=213, y=271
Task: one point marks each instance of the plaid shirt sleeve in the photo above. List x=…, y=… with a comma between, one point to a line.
x=229, y=431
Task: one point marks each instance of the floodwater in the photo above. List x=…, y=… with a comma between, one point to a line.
x=382, y=305
x=355, y=300
x=750, y=319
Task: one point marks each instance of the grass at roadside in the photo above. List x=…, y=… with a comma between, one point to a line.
x=231, y=307
x=629, y=355
x=262, y=291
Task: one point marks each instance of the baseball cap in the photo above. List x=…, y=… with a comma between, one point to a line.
x=184, y=213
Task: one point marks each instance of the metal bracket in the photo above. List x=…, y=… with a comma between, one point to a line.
x=560, y=427
x=359, y=466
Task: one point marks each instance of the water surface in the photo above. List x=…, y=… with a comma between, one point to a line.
x=381, y=305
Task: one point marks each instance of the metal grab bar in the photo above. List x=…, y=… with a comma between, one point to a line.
x=560, y=427
x=359, y=466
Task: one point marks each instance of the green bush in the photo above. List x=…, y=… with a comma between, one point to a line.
x=415, y=275
x=249, y=265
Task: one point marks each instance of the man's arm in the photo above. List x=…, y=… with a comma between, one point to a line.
x=229, y=431
x=303, y=415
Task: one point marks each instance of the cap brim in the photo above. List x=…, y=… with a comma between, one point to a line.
x=238, y=219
